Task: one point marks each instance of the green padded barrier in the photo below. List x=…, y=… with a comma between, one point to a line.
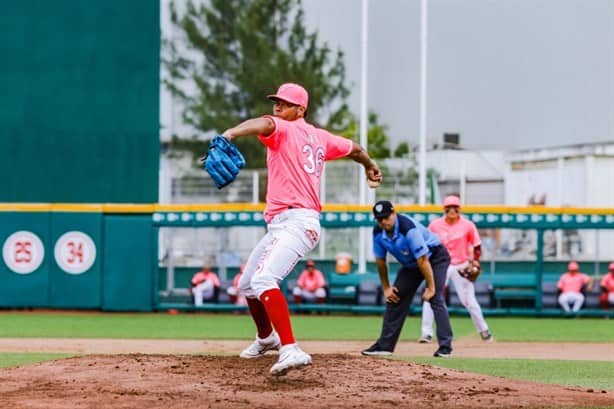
x=75, y=273
x=128, y=260
x=26, y=288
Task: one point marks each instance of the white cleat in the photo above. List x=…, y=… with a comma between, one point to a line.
x=261, y=345
x=425, y=339
x=290, y=357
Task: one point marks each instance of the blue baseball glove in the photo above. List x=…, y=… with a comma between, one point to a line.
x=223, y=161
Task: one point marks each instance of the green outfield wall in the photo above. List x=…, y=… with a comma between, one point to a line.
x=94, y=256
x=79, y=101
x=82, y=257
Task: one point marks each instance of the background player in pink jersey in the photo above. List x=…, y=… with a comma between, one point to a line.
x=570, y=284
x=296, y=152
x=607, y=287
x=311, y=285
x=461, y=238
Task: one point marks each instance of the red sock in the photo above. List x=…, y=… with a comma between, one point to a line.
x=277, y=309
x=260, y=317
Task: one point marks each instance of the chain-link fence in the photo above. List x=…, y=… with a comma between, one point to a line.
x=340, y=184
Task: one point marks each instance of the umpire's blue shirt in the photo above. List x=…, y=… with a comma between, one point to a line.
x=410, y=241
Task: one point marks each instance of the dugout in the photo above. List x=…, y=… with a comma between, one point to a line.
x=513, y=285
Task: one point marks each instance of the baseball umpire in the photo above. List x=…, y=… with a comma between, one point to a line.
x=422, y=257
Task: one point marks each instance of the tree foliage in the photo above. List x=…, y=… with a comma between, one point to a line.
x=402, y=150
x=239, y=51
x=378, y=143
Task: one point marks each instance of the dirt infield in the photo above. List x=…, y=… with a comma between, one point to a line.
x=163, y=374
x=334, y=381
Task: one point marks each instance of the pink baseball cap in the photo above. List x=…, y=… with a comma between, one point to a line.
x=611, y=267
x=451, y=201
x=572, y=266
x=292, y=93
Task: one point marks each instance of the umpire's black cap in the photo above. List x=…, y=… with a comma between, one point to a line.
x=383, y=208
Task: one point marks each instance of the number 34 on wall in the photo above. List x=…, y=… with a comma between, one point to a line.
x=23, y=252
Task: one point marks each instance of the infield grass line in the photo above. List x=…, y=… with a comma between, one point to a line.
x=307, y=327
x=18, y=359
x=586, y=374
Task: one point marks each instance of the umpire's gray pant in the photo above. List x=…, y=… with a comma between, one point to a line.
x=408, y=280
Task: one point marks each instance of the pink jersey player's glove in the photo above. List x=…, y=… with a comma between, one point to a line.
x=472, y=271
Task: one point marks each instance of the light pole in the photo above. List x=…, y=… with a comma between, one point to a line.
x=423, y=100
x=362, y=258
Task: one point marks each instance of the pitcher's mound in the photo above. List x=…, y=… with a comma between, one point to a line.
x=334, y=381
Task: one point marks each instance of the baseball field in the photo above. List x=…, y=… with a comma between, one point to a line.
x=91, y=360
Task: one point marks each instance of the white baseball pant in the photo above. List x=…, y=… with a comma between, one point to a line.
x=203, y=291
x=466, y=294
x=309, y=296
x=291, y=234
x=577, y=299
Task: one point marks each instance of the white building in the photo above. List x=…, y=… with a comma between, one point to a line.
x=577, y=175
x=477, y=176
x=566, y=176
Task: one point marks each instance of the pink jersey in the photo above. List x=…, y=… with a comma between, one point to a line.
x=311, y=282
x=457, y=237
x=572, y=283
x=296, y=152
x=203, y=276
x=608, y=282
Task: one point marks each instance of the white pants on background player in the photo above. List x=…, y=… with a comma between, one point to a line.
x=574, y=299
x=309, y=296
x=466, y=294
x=203, y=291
x=290, y=235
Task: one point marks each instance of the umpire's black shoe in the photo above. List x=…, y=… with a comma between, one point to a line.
x=443, y=353
x=375, y=350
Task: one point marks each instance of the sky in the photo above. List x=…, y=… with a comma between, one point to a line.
x=504, y=74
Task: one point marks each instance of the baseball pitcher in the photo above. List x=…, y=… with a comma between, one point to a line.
x=296, y=152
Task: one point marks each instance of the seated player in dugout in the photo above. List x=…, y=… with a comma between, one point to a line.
x=233, y=291
x=204, y=284
x=572, y=284
x=311, y=285
x=606, y=299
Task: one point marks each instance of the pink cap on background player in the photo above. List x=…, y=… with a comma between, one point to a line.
x=292, y=93
x=310, y=263
x=572, y=266
x=611, y=267
x=451, y=201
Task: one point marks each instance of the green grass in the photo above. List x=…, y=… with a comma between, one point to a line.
x=307, y=327
x=16, y=359
x=589, y=374
x=552, y=329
